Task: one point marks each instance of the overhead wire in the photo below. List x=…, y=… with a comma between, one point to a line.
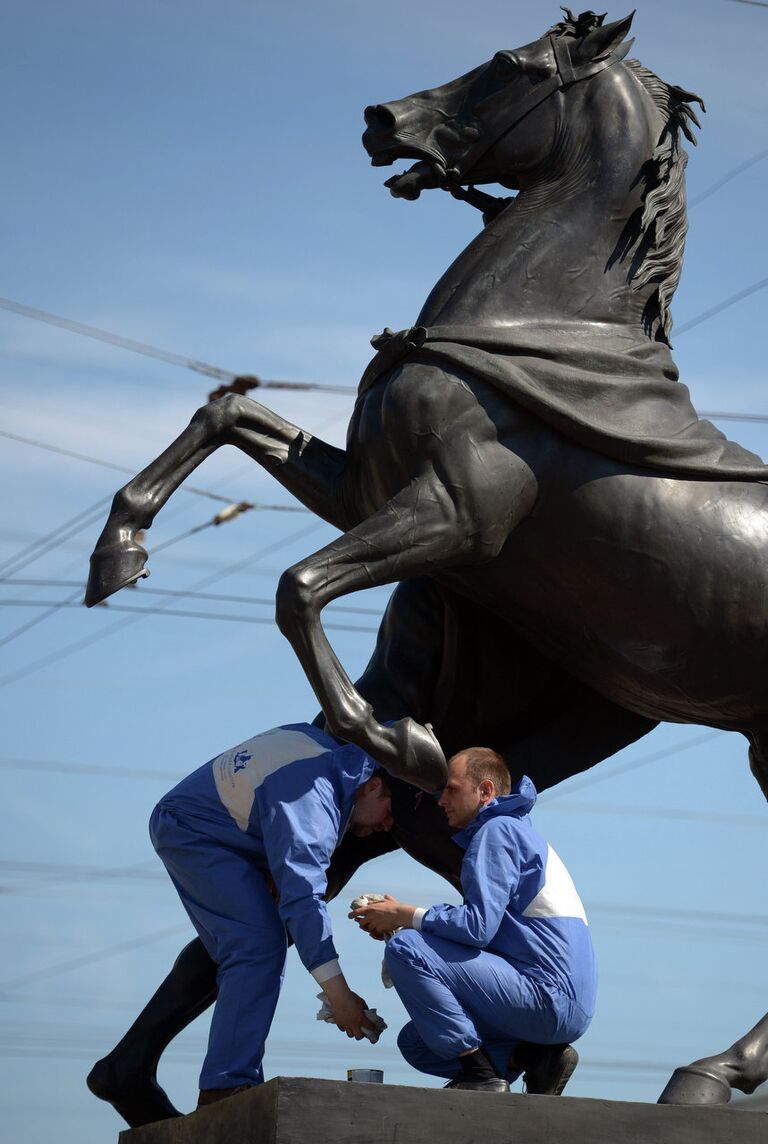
x=52, y=608
x=718, y=309
x=186, y=613
x=82, y=962
x=102, y=771
x=633, y=810
x=132, y=471
x=705, y=194
x=719, y=415
x=52, y=539
x=222, y=597
x=88, y=641
x=167, y=356
x=57, y=537
x=588, y=779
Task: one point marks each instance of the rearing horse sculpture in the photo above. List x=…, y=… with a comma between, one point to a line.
x=526, y=445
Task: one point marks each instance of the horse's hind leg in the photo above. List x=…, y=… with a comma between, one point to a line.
x=745, y=1064
x=709, y=1080
x=127, y=1076
x=307, y=467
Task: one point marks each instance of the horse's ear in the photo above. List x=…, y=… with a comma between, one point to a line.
x=602, y=41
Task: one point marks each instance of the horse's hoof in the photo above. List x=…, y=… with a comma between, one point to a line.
x=114, y=566
x=136, y=1096
x=420, y=758
x=695, y=1085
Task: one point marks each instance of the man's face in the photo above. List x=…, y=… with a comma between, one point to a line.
x=462, y=798
x=373, y=809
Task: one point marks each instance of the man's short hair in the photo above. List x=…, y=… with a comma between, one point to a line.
x=386, y=778
x=483, y=763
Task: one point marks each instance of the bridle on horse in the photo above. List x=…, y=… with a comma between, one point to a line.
x=493, y=117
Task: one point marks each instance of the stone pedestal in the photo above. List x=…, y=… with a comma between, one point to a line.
x=294, y=1110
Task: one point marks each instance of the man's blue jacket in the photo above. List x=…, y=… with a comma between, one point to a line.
x=284, y=798
x=519, y=900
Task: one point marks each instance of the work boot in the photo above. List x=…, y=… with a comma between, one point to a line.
x=478, y=1074
x=214, y=1095
x=492, y=1084
x=546, y=1068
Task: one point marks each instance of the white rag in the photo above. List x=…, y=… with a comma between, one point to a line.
x=360, y=904
x=378, y=1023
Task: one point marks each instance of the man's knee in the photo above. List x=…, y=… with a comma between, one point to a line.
x=410, y=1043
x=403, y=948
x=402, y=945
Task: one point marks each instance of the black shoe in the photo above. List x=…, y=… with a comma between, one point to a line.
x=547, y=1068
x=491, y=1084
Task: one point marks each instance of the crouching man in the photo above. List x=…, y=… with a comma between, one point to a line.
x=501, y=984
x=247, y=840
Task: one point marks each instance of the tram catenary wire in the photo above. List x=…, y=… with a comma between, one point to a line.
x=87, y=641
x=222, y=597
x=186, y=614
x=95, y=332
x=52, y=539
x=37, y=444
x=230, y=513
x=732, y=174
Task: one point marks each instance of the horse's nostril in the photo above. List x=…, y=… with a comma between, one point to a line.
x=379, y=118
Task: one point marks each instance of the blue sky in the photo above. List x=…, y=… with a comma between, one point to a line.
x=191, y=175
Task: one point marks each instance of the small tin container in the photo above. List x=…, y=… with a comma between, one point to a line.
x=366, y=1076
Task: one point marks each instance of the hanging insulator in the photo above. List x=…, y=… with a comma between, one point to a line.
x=231, y=511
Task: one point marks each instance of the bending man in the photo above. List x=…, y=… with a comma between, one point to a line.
x=501, y=984
x=247, y=840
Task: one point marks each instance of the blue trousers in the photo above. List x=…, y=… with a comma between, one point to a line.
x=459, y=997
x=230, y=905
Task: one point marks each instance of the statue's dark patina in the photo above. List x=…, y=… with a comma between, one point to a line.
x=582, y=556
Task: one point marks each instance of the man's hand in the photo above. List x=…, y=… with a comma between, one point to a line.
x=381, y=918
x=348, y=1009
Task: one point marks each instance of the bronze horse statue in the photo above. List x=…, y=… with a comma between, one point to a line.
x=526, y=462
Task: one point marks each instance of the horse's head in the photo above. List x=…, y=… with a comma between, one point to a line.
x=498, y=121
x=562, y=104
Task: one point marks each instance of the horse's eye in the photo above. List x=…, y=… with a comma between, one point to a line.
x=504, y=66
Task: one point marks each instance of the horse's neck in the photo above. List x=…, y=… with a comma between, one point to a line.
x=552, y=253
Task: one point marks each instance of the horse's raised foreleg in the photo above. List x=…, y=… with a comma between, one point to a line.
x=308, y=467
x=425, y=528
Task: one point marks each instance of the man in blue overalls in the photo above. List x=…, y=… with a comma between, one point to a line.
x=247, y=840
x=501, y=984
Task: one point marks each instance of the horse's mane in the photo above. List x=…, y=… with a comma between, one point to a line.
x=660, y=237
x=657, y=234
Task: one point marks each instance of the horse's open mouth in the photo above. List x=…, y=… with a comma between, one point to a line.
x=391, y=148
x=426, y=173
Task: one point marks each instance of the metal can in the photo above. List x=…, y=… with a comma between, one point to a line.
x=366, y=1076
